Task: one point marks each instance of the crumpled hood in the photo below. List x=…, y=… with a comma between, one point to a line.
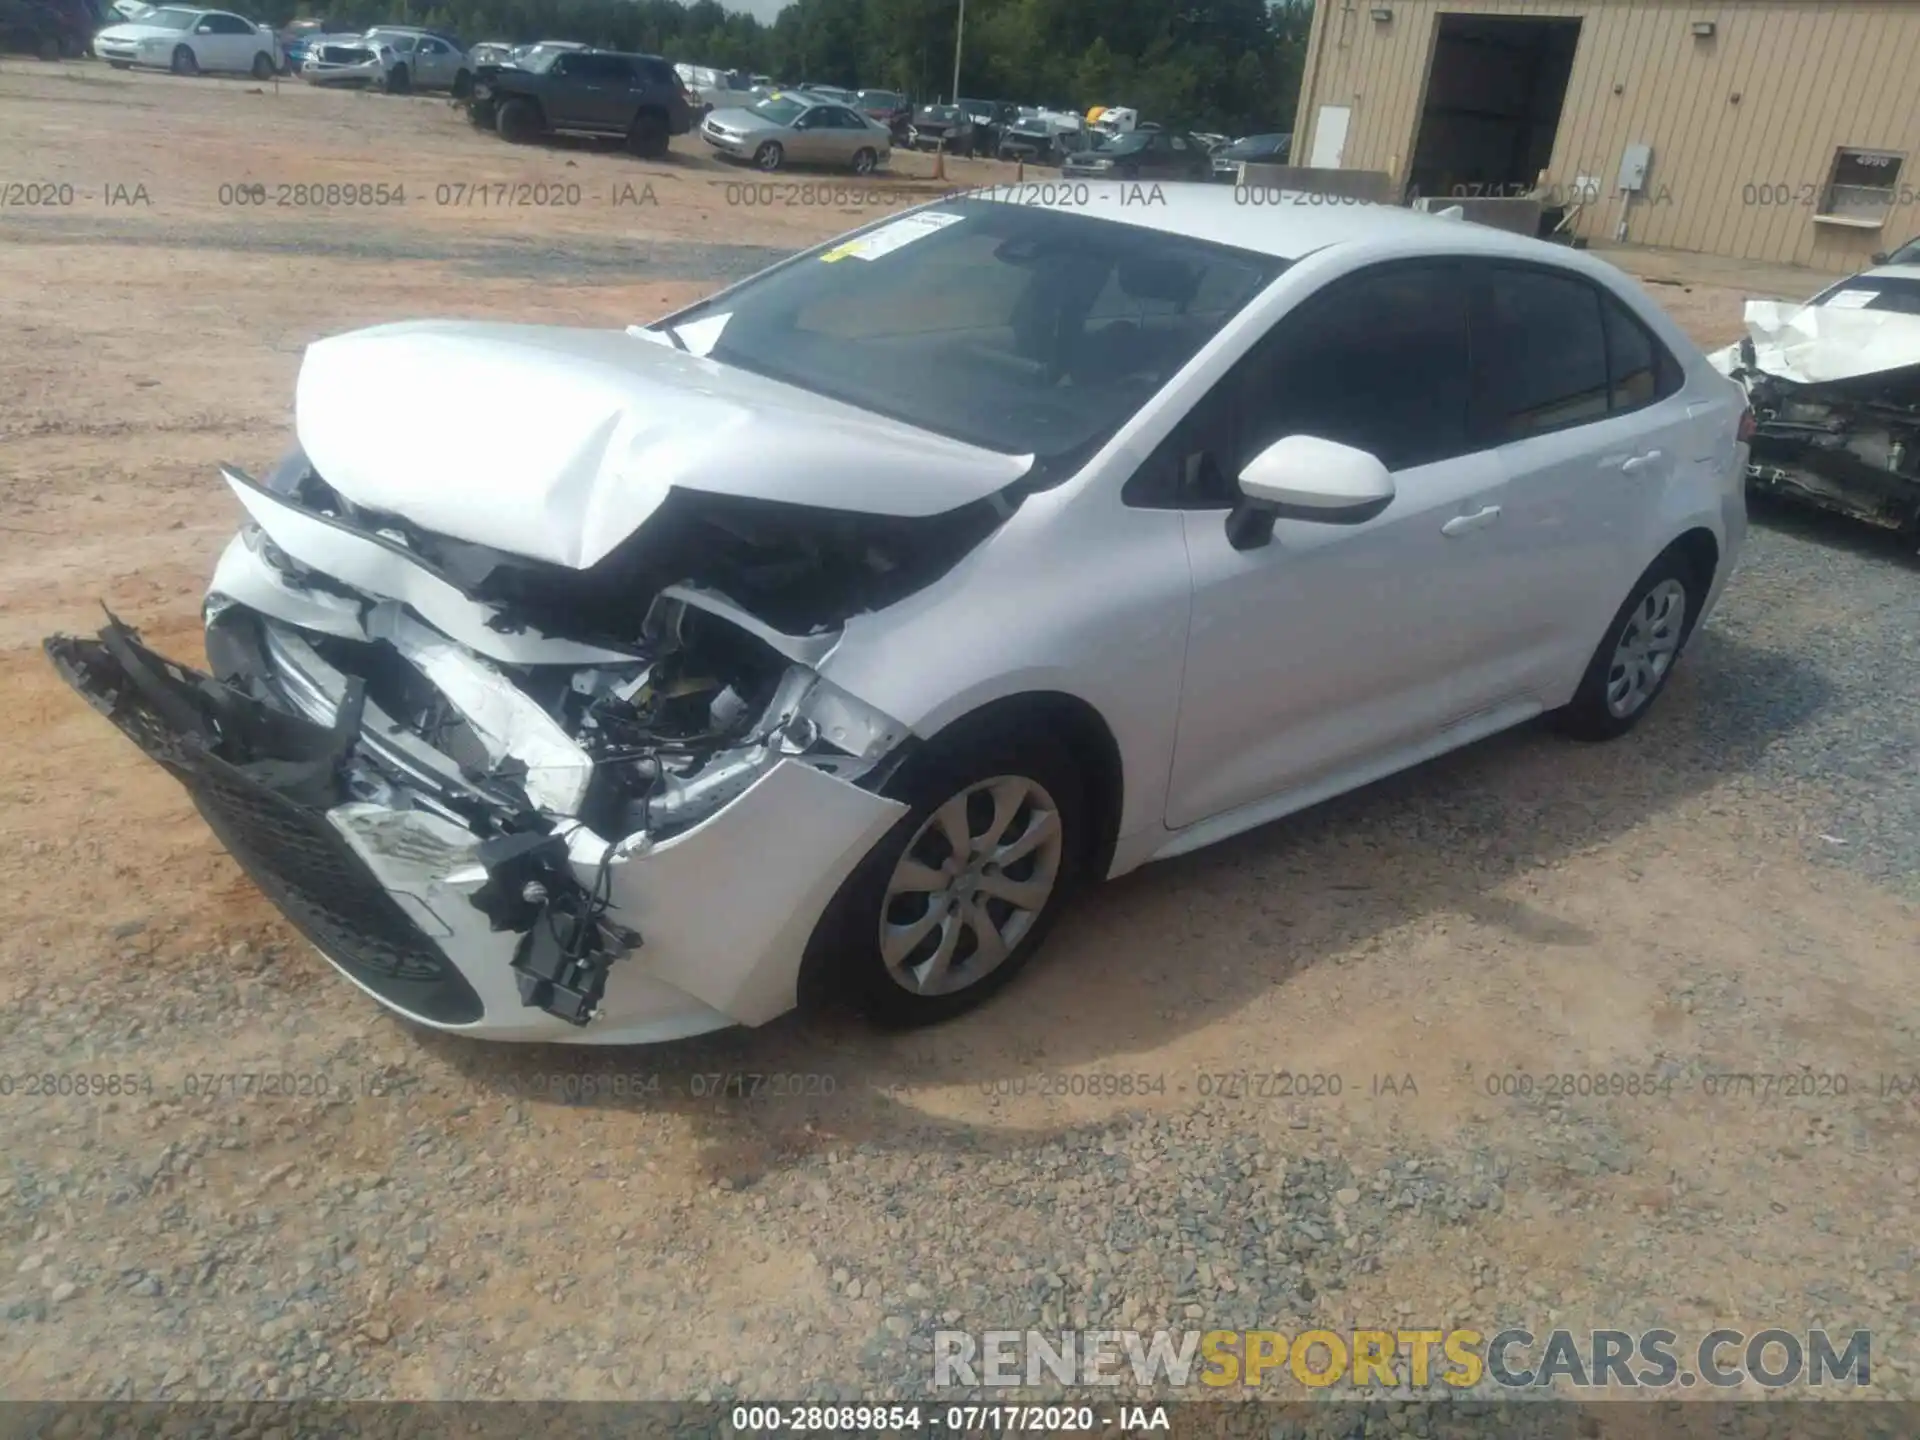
x=1817, y=344
x=557, y=444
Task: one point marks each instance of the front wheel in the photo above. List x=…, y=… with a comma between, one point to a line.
x=1637, y=655
x=648, y=136
x=769, y=156
x=399, y=81
x=959, y=895
x=185, y=62
x=864, y=161
x=518, y=122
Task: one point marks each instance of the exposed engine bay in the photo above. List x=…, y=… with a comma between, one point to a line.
x=1835, y=395
x=1851, y=446
x=508, y=733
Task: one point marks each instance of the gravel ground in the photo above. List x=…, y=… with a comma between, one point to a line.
x=1732, y=890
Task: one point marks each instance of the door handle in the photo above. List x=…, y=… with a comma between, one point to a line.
x=1634, y=464
x=1461, y=524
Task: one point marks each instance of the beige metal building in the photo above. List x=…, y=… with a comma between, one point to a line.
x=1771, y=130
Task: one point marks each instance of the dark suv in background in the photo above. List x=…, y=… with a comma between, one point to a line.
x=51, y=29
x=585, y=92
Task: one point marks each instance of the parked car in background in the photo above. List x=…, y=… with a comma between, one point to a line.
x=424, y=59
x=837, y=94
x=1045, y=142
x=121, y=10
x=788, y=129
x=294, y=40
x=818, y=642
x=941, y=127
x=349, y=62
x=585, y=92
x=1249, y=150
x=538, y=53
x=51, y=29
x=711, y=89
x=889, y=107
x=1141, y=155
x=189, y=41
x=990, y=119
x=489, y=52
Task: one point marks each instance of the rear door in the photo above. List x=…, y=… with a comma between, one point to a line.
x=227, y=42
x=1584, y=407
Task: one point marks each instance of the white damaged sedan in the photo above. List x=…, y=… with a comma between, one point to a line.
x=818, y=641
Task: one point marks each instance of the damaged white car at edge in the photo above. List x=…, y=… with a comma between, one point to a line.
x=817, y=641
x=1834, y=384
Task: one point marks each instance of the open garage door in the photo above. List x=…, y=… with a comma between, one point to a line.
x=1494, y=92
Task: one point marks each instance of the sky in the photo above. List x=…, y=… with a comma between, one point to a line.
x=761, y=10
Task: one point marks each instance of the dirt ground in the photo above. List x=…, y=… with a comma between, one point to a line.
x=1730, y=891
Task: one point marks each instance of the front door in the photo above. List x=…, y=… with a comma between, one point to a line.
x=1335, y=645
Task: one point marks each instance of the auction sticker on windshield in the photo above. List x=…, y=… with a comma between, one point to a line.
x=1851, y=299
x=891, y=236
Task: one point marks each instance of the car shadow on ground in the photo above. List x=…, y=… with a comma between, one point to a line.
x=1831, y=530
x=1178, y=946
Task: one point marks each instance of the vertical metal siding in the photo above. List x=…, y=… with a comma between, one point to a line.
x=1811, y=77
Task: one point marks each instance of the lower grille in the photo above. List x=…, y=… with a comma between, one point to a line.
x=307, y=869
x=289, y=849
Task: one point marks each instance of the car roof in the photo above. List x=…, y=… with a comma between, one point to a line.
x=1227, y=215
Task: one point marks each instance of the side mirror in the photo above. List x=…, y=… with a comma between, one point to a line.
x=1303, y=477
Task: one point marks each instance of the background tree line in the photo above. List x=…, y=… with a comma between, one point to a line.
x=1223, y=65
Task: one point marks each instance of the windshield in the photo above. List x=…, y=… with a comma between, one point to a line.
x=880, y=100
x=1873, y=292
x=1127, y=144
x=779, y=109
x=939, y=112
x=171, y=19
x=1256, y=145
x=1017, y=328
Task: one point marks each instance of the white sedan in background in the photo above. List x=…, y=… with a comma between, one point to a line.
x=820, y=640
x=189, y=41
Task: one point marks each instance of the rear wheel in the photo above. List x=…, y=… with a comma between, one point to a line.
x=263, y=67
x=864, y=160
x=647, y=137
x=518, y=121
x=958, y=896
x=462, y=85
x=1637, y=655
x=185, y=62
x=769, y=156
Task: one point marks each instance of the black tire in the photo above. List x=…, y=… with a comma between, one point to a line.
x=399, y=81
x=184, y=61
x=865, y=160
x=263, y=66
x=462, y=85
x=1589, y=715
x=769, y=157
x=518, y=121
x=844, y=963
x=648, y=136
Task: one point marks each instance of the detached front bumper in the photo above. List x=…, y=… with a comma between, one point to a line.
x=366, y=852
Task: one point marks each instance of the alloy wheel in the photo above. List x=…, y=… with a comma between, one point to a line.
x=970, y=885
x=1646, y=648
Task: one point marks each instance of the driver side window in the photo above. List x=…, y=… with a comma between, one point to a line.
x=1376, y=360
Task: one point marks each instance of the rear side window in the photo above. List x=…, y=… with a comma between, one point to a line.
x=1540, y=352
x=1640, y=370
